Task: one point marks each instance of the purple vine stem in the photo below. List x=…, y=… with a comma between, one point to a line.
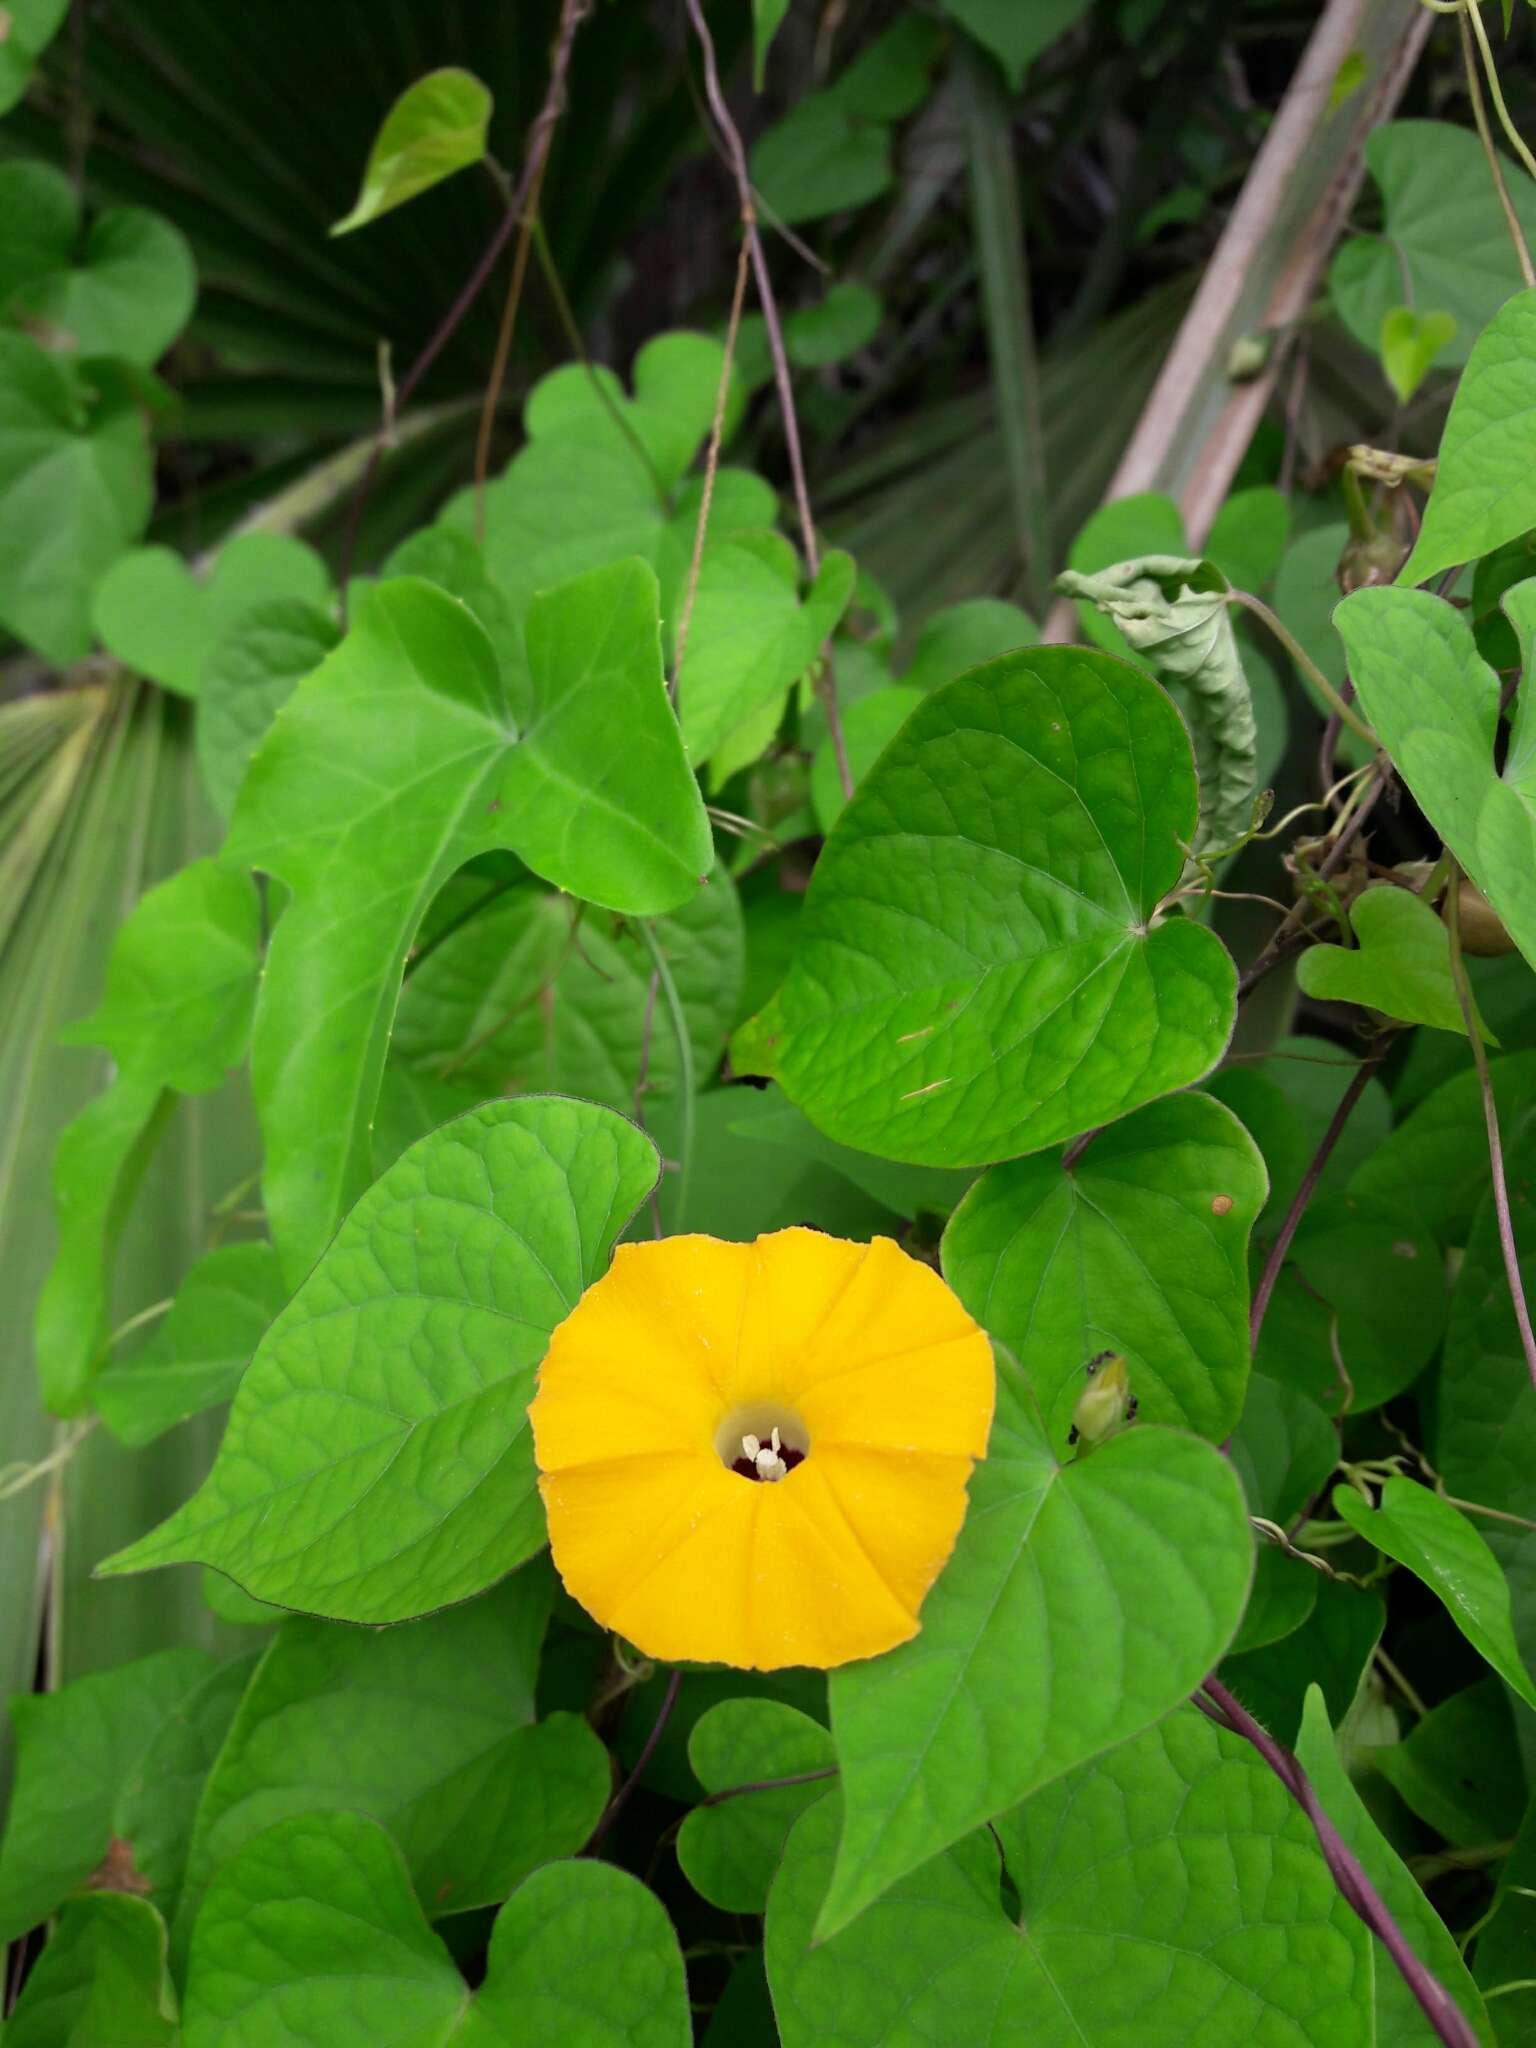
x=1303, y=1195
x=1444, y=2015
x=616, y=1804
x=736, y=157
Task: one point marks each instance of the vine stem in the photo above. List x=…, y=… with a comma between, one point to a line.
x=1485, y=136
x=1347, y=831
x=1491, y=1119
x=1345, y=713
x=1444, y=2015
x=711, y=468
x=1303, y=1195
x=616, y=1804
x=679, y=1021
x=1471, y=13
x=736, y=157
x=770, y=1784
x=572, y=14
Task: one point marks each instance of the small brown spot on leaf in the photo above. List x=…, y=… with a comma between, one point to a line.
x=1405, y=1248
x=1221, y=1205
x=116, y=1872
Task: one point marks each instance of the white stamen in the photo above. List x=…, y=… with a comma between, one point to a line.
x=765, y=1456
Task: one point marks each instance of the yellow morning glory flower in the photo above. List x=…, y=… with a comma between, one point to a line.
x=757, y=1454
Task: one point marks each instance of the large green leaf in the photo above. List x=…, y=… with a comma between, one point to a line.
x=165, y=622
x=101, y=1978
x=730, y=1850
x=1082, y=1603
x=181, y=981
x=1142, y=1248
x=1439, y=1545
x=196, y=1356
x=436, y=127
x=1485, y=480
x=980, y=972
x=1149, y=1889
x=377, y=1462
x=246, y=678
x=1434, y=703
x=312, y=1935
x=525, y=995
x=75, y=1749
x=598, y=794
x=1397, y=2014
x=75, y=488
x=1400, y=963
x=1444, y=245
x=413, y=704
x=429, y=1730
x=129, y=294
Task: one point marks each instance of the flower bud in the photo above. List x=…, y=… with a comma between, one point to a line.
x=1106, y=1404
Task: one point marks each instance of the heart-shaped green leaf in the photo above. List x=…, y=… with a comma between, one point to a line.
x=1146, y=1911
x=436, y=127
x=1081, y=1604
x=377, y=1462
x=75, y=488
x=1409, y=344
x=165, y=622
x=1141, y=1249
x=1439, y=1545
x=131, y=290
x=1400, y=963
x=597, y=796
x=1444, y=241
x=429, y=1730
x=1434, y=703
x=980, y=970
x=729, y=1850
x=1485, y=478
x=312, y=1934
